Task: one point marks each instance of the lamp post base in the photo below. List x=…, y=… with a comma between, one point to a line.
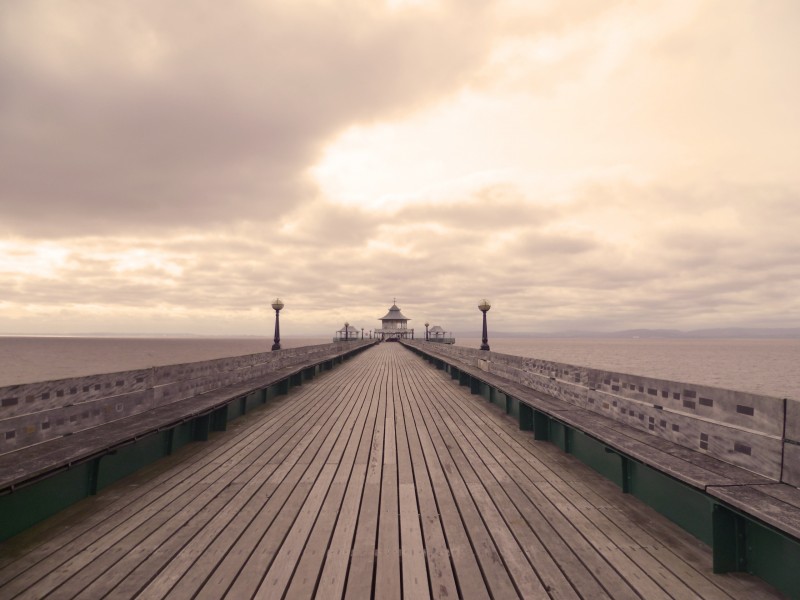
x=276, y=346
x=484, y=346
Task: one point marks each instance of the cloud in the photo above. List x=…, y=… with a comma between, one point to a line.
x=684, y=269
x=123, y=117
x=622, y=166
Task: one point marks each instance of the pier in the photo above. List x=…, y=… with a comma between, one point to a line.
x=385, y=477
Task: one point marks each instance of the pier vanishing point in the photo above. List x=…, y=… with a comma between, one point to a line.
x=395, y=470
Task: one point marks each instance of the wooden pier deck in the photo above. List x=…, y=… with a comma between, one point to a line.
x=381, y=479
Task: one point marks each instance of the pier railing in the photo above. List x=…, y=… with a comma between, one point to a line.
x=65, y=439
x=756, y=432
x=32, y=413
x=722, y=464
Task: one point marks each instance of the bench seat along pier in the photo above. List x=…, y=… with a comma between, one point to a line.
x=474, y=474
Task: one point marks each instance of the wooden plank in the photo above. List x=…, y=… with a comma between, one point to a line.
x=382, y=454
x=558, y=567
x=685, y=570
x=785, y=493
x=525, y=578
x=387, y=564
x=791, y=464
x=78, y=534
x=57, y=453
x=309, y=568
x=440, y=572
x=466, y=567
x=213, y=541
x=496, y=577
x=589, y=553
x=362, y=557
x=157, y=523
x=767, y=508
x=128, y=521
x=415, y=574
x=335, y=568
x=281, y=570
x=244, y=565
x=251, y=483
x=497, y=482
x=792, y=420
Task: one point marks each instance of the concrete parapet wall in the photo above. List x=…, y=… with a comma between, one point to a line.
x=755, y=432
x=36, y=412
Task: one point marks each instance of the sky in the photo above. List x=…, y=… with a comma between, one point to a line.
x=173, y=167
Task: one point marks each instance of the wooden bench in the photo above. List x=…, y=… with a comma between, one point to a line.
x=58, y=471
x=725, y=505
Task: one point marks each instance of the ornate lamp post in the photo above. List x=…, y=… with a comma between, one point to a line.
x=277, y=305
x=362, y=333
x=346, y=327
x=484, y=307
x=426, y=330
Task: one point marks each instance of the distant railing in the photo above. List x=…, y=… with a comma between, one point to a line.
x=32, y=413
x=756, y=432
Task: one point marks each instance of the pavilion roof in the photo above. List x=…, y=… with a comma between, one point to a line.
x=394, y=314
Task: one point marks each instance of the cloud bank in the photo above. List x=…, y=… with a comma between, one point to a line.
x=171, y=169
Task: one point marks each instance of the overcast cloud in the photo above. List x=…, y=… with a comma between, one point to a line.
x=173, y=167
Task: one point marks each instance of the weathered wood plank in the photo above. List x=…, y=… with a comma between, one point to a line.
x=567, y=561
x=638, y=518
x=335, y=567
x=158, y=527
x=310, y=564
x=287, y=558
x=241, y=570
x=128, y=518
x=465, y=565
x=362, y=557
x=768, y=508
x=498, y=580
x=383, y=478
x=440, y=572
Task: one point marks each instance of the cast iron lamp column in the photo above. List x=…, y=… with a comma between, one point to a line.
x=426, y=330
x=277, y=305
x=484, y=307
x=346, y=327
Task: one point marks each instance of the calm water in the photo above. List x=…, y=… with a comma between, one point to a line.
x=28, y=359
x=762, y=366
x=766, y=366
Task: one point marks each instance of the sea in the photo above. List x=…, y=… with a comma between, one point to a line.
x=762, y=366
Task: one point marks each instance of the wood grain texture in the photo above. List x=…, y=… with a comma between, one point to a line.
x=791, y=464
x=382, y=478
x=739, y=428
x=793, y=420
x=101, y=425
x=775, y=511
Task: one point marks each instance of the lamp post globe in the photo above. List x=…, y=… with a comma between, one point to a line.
x=277, y=305
x=484, y=307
